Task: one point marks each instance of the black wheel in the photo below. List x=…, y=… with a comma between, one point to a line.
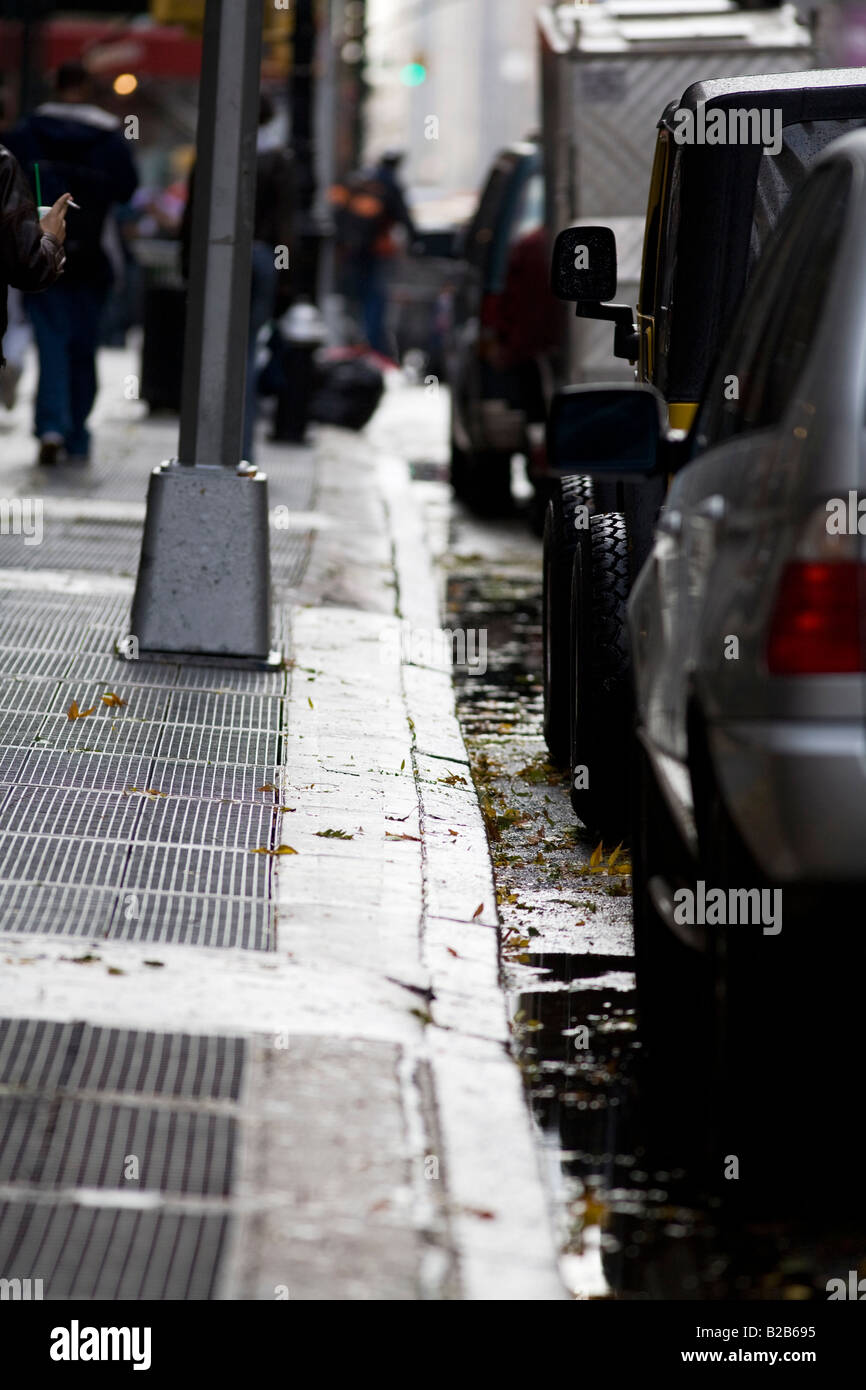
x=460, y=470
x=488, y=491
x=570, y=503
x=600, y=704
x=674, y=982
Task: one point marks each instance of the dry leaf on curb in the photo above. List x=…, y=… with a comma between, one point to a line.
x=112, y=700
x=280, y=849
x=478, y=911
x=154, y=791
x=595, y=857
x=452, y=952
x=267, y=787
x=75, y=713
x=390, y=835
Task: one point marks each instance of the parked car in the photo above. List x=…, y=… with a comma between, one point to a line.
x=504, y=321
x=711, y=210
x=747, y=625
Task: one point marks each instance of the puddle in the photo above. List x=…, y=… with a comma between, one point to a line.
x=627, y=1228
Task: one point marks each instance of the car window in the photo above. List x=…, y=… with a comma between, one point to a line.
x=529, y=212
x=481, y=229
x=764, y=358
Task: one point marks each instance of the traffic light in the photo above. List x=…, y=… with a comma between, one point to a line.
x=413, y=74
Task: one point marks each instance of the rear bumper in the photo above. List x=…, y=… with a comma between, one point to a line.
x=796, y=791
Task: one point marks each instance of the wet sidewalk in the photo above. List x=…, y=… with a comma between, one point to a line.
x=252, y=1040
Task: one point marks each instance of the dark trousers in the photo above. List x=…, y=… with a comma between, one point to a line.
x=66, y=321
x=263, y=287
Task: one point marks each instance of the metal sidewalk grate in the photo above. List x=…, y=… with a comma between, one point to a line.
x=78, y=1056
x=53, y=1138
x=105, y=1253
x=72, y=1143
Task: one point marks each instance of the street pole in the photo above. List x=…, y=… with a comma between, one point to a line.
x=203, y=584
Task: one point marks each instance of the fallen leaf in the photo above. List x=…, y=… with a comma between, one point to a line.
x=334, y=835
x=111, y=699
x=390, y=835
x=114, y=970
x=280, y=849
x=267, y=787
x=478, y=911
x=614, y=856
x=310, y=703
x=75, y=713
x=452, y=952
x=154, y=791
x=595, y=857
x=155, y=963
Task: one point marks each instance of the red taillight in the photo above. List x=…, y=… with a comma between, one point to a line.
x=816, y=622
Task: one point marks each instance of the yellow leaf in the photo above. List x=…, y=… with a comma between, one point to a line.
x=154, y=791
x=72, y=712
x=614, y=856
x=109, y=698
x=595, y=857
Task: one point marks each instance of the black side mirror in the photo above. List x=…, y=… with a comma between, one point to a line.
x=583, y=270
x=616, y=432
x=584, y=264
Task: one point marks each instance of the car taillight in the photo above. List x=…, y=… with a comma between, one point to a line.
x=815, y=627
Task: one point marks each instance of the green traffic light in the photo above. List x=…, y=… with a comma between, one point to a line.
x=413, y=75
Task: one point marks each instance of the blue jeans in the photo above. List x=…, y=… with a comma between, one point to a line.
x=263, y=287
x=66, y=320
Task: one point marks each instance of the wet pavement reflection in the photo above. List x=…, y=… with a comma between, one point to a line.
x=628, y=1227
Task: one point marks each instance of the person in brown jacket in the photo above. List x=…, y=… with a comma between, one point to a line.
x=31, y=251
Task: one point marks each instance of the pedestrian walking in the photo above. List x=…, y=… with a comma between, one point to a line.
x=31, y=251
x=368, y=208
x=72, y=144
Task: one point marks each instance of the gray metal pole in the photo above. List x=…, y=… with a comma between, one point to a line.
x=203, y=586
x=215, y=353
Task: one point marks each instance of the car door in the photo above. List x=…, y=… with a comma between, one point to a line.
x=719, y=516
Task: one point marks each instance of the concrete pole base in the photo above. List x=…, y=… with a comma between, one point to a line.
x=203, y=586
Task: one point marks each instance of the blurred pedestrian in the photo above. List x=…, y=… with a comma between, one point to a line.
x=78, y=146
x=368, y=208
x=271, y=249
x=31, y=252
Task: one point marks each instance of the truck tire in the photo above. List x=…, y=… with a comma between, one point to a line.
x=488, y=489
x=561, y=539
x=459, y=471
x=601, y=684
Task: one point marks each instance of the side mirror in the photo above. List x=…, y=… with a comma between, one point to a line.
x=583, y=266
x=615, y=432
x=583, y=270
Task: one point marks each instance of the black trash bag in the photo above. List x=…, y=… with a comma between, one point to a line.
x=347, y=392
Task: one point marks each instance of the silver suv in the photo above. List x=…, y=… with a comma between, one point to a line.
x=747, y=627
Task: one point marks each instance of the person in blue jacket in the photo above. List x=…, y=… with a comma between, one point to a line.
x=81, y=149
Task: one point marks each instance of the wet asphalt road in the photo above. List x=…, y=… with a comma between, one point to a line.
x=626, y=1228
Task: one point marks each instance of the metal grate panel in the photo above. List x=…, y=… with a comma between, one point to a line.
x=103, y=1253
x=74, y=1143
x=35, y=1054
